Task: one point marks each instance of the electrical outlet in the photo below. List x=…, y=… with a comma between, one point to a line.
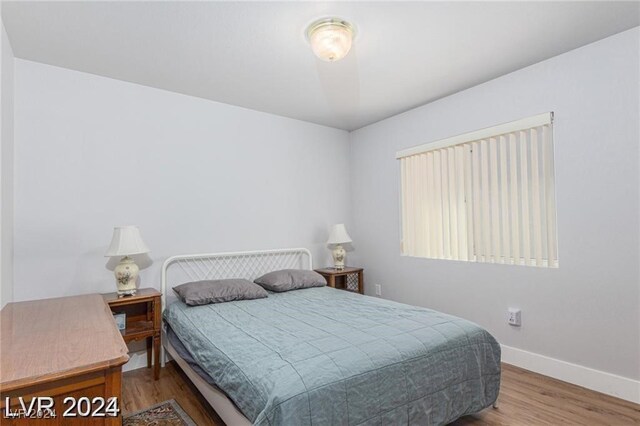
x=378, y=290
x=514, y=317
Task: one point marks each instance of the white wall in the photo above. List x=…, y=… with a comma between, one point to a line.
x=194, y=175
x=6, y=168
x=586, y=312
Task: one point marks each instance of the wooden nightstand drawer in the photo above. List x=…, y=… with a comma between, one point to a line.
x=349, y=278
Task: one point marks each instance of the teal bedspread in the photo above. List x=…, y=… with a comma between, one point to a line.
x=323, y=356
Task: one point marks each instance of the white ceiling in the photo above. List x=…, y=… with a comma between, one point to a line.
x=255, y=54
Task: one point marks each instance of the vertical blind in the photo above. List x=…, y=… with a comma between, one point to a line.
x=486, y=196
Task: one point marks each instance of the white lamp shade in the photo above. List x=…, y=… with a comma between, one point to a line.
x=338, y=235
x=126, y=241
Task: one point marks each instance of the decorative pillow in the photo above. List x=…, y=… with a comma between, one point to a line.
x=290, y=279
x=218, y=291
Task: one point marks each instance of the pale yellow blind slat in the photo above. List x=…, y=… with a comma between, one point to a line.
x=524, y=196
x=535, y=198
x=446, y=222
x=495, y=200
x=504, y=201
x=486, y=201
x=453, y=203
x=433, y=239
x=513, y=186
x=475, y=199
x=438, y=203
x=465, y=201
x=404, y=211
x=550, y=192
x=420, y=191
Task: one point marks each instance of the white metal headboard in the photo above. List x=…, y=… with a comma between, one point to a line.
x=245, y=264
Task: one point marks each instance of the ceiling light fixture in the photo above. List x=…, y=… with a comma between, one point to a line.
x=330, y=38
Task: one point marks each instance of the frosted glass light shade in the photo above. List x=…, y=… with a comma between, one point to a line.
x=126, y=241
x=338, y=235
x=330, y=38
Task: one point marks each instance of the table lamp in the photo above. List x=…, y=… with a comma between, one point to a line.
x=126, y=241
x=337, y=237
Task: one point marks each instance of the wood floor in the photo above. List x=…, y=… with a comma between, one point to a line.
x=525, y=399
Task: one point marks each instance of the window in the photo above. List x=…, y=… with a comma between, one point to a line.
x=485, y=196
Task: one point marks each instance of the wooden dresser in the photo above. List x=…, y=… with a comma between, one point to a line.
x=61, y=348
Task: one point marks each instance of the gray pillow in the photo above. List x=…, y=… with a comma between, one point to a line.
x=290, y=279
x=217, y=291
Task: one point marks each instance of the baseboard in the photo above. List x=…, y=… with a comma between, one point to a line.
x=599, y=381
x=136, y=360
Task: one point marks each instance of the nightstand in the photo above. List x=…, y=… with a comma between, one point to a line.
x=143, y=320
x=349, y=278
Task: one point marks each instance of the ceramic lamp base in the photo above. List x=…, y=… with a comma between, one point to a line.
x=126, y=276
x=338, y=257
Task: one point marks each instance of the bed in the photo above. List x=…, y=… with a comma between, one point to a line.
x=323, y=356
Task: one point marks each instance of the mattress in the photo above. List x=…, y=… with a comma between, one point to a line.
x=184, y=353
x=324, y=356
